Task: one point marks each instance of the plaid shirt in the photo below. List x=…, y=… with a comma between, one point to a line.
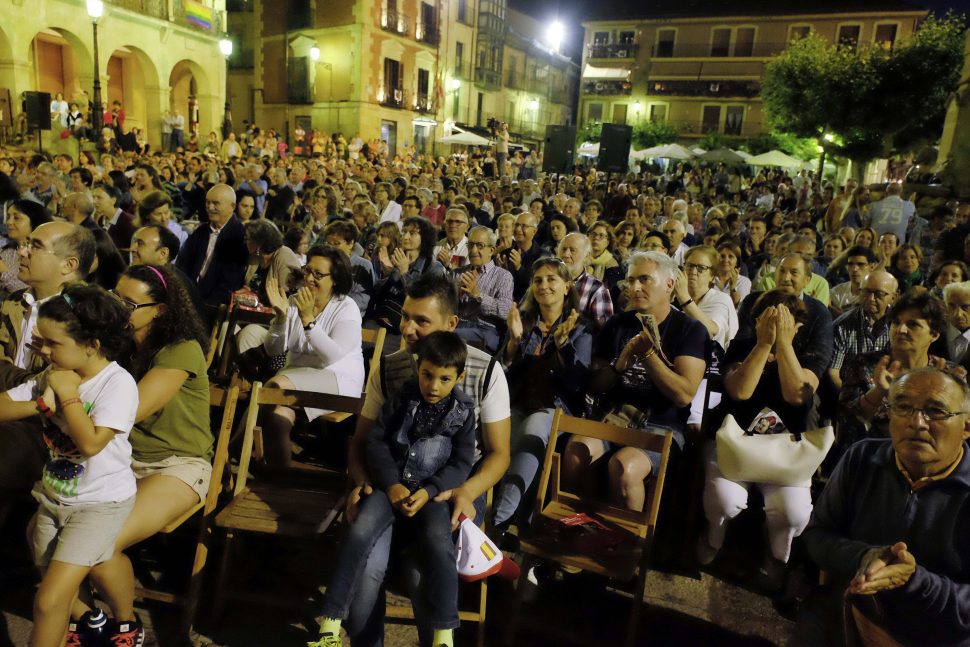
x=594, y=298
x=495, y=286
x=854, y=336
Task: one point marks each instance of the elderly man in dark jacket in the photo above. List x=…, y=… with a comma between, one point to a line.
x=892, y=526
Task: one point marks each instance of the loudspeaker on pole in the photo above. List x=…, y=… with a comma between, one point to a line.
x=37, y=105
x=558, y=152
x=615, y=143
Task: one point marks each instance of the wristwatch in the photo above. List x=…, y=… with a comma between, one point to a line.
x=308, y=327
x=686, y=303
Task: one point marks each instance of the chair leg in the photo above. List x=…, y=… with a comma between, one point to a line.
x=637, y=602
x=513, y=621
x=195, y=581
x=481, y=613
x=219, y=602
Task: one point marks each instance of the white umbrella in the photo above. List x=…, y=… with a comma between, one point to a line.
x=468, y=139
x=746, y=155
x=776, y=158
x=697, y=150
x=676, y=152
x=589, y=149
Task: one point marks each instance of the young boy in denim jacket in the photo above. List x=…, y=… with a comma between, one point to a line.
x=422, y=444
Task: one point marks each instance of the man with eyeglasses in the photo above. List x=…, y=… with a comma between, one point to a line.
x=157, y=245
x=452, y=252
x=891, y=524
x=858, y=263
x=956, y=296
x=56, y=253
x=864, y=328
x=524, y=253
x=484, y=293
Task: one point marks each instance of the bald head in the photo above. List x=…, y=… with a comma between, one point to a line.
x=77, y=207
x=220, y=203
x=879, y=291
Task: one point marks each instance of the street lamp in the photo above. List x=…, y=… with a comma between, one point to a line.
x=225, y=46
x=95, y=11
x=315, y=53
x=554, y=35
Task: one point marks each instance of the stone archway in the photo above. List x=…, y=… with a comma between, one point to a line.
x=61, y=63
x=132, y=79
x=190, y=92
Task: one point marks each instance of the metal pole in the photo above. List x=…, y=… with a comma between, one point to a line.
x=97, y=118
x=227, y=120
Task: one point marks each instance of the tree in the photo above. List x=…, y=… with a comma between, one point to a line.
x=804, y=148
x=652, y=133
x=875, y=101
x=589, y=132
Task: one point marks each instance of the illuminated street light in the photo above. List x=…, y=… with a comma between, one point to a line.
x=456, y=84
x=315, y=53
x=95, y=11
x=534, y=104
x=554, y=35
x=225, y=46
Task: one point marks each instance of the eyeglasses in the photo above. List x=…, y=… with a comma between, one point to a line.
x=473, y=245
x=317, y=275
x=31, y=246
x=599, y=235
x=934, y=414
x=131, y=305
x=454, y=221
x=696, y=267
x=878, y=294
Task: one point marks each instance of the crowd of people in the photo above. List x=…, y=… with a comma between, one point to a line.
x=672, y=300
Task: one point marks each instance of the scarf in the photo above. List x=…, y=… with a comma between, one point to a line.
x=599, y=264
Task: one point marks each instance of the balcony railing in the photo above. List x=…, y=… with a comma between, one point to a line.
x=394, y=22
x=426, y=33
x=746, y=89
x=612, y=50
x=423, y=103
x=160, y=9
x=558, y=95
x=391, y=97
x=708, y=50
x=608, y=88
x=489, y=79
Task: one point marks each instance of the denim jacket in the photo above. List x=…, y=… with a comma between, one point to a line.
x=436, y=463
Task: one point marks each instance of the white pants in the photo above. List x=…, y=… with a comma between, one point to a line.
x=788, y=508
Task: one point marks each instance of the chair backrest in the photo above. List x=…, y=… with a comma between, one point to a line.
x=218, y=317
x=227, y=399
x=260, y=396
x=642, y=522
x=375, y=337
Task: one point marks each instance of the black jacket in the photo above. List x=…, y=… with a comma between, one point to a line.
x=228, y=266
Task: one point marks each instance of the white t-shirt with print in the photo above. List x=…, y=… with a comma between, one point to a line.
x=110, y=399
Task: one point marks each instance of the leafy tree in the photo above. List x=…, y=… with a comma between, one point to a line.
x=715, y=140
x=876, y=101
x=804, y=148
x=652, y=133
x=590, y=132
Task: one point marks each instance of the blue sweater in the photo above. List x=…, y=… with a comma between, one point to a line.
x=868, y=503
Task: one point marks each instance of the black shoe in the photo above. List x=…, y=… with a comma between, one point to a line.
x=125, y=634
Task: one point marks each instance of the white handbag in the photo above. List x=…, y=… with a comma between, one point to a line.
x=777, y=459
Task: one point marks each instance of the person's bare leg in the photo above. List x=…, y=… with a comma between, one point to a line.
x=276, y=426
x=52, y=603
x=160, y=500
x=629, y=468
x=578, y=474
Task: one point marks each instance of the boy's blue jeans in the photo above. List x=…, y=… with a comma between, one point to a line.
x=430, y=529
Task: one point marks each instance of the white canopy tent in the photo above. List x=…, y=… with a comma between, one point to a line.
x=465, y=138
x=605, y=73
x=776, y=158
x=589, y=149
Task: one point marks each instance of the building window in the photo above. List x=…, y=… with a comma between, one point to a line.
x=462, y=11
x=849, y=36
x=626, y=38
x=711, y=120
x=665, y=42
x=299, y=14
x=658, y=112
x=459, y=56
x=721, y=41
x=601, y=37
x=798, y=32
x=744, y=41
x=734, y=120
x=424, y=84
x=619, y=113
x=393, y=82
x=594, y=112
x=886, y=35
x=298, y=73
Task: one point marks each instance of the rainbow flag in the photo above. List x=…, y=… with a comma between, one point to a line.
x=198, y=14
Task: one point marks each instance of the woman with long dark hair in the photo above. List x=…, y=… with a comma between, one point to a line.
x=171, y=441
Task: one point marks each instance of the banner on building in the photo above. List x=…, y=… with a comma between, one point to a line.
x=198, y=14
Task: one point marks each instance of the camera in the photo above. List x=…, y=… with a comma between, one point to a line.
x=493, y=123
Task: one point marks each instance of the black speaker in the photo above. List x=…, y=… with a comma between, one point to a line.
x=557, y=154
x=37, y=105
x=614, y=154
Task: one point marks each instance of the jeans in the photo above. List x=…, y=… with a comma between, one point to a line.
x=365, y=616
x=530, y=435
x=478, y=333
x=430, y=528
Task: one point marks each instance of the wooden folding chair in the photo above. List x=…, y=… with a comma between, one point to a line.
x=406, y=612
x=303, y=505
x=238, y=317
x=226, y=399
x=620, y=553
x=218, y=317
x=368, y=336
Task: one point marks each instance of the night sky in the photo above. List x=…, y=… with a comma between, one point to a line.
x=572, y=12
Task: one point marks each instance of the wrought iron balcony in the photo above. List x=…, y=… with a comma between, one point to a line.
x=160, y=9
x=424, y=103
x=391, y=97
x=488, y=79
x=746, y=89
x=426, y=33
x=612, y=50
x=608, y=88
x=394, y=22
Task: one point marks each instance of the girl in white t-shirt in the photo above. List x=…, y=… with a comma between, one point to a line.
x=87, y=406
